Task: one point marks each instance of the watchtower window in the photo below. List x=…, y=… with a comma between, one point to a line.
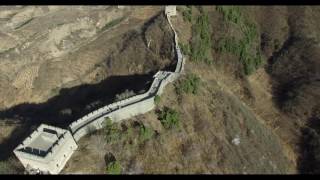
x=50, y=131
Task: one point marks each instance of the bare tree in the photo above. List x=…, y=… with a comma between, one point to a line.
x=98, y=147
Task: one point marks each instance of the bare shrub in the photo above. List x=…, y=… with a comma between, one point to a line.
x=124, y=95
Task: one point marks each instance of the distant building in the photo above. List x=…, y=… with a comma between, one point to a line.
x=47, y=150
x=171, y=10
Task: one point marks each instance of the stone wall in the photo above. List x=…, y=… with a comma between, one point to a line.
x=54, y=159
x=123, y=109
x=132, y=106
x=117, y=111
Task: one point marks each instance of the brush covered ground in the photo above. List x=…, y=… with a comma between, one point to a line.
x=246, y=103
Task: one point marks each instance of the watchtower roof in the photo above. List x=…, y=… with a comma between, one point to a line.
x=42, y=140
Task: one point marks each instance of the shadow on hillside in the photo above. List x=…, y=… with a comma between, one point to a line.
x=71, y=104
x=68, y=106
x=309, y=160
x=295, y=88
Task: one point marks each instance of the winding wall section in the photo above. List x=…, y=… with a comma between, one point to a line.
x=132, y=106
x=61, y=149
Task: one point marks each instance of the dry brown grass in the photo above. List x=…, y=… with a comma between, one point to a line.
x=228, y=105
x=210, y=120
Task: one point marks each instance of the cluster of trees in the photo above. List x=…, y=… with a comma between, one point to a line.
x=201, y=39
x=157, y=99
x=199, y=48
x=169, y=118
x=111, y=130
x=113, y=167
x=187, y=14
x=188, y=85
x=251, y=60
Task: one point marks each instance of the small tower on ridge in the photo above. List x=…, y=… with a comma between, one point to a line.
x=170, y=11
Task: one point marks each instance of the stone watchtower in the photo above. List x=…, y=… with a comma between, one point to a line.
x=46, y=150
x=170, y=10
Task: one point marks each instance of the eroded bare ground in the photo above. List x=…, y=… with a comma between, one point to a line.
x=47, y=48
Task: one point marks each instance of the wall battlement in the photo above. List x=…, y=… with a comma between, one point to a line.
x=54, y=151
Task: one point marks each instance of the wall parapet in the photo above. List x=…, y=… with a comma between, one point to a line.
x=161, y=79
x=123, y=109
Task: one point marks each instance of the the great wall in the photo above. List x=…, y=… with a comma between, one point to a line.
x=48, y=148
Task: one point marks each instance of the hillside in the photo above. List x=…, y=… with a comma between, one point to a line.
x=247, y=103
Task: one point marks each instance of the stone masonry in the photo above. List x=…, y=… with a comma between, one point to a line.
x=48, y=148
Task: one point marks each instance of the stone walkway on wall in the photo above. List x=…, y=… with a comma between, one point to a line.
x=95, y=119
x=117, y=111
